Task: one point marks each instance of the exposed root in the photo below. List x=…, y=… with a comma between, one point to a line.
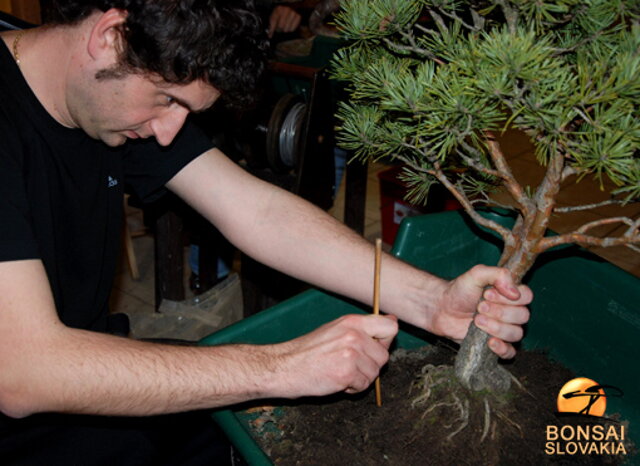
x=509, y=421
x=438, y=390
x=436, y=406
x=520, y=386
x=464, y=413
x=487, y=420
x=430, y=378
x=464, y=417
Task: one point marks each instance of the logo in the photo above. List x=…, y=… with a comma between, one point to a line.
x=586, y=400
x=111, y=182
x=584, y=396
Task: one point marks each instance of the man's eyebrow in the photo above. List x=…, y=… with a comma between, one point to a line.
x=186, y=104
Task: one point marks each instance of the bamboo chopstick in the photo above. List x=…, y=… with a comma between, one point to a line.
x=376, y=305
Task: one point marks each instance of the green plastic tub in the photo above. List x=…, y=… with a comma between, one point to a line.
x=585, y=313
x=289, y=319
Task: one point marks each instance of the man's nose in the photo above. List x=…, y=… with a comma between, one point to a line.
x=166, y=126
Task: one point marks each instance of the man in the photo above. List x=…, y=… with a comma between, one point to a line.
x=283, y=19
x=99, y=100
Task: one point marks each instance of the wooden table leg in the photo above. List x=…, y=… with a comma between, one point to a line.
x=169, y=258
x=355, y=195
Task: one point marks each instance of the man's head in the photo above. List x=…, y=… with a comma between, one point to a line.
x=137, y=68
x=221, y=43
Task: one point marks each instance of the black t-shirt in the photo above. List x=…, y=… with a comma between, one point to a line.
x=61, y=195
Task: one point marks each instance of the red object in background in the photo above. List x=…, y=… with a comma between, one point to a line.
x=394, y=208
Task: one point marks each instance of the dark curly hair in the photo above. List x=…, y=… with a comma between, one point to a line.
x=221, y=42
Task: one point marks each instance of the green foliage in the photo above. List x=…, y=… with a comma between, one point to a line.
x=428, y=79
x=375, y=20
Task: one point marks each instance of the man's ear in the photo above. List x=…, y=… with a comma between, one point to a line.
x=105, y=36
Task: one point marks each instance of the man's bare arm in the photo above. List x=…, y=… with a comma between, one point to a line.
x=289, y=234
x=293, y=236
x=46, y=366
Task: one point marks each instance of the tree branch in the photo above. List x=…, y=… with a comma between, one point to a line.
x=438, y=20
x=420, y=27
x=412, y=47
x=567, y=172
x=633, y=248
x=577, y=208
x=546, y=194
x=477, y=165
x=487, y=201
x=411, y=163
x=458, y=193
x=586, y=117
x=510, y=15
x=580, y=236
x=457, y=18
x=580, y=43
x=468, y=206
x=504, y=172
x=607, y=221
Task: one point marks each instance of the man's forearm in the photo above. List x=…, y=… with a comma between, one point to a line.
x=295, y=237
x=77, y=371
x=307, y=243
x=47, y=366
x=85, y=372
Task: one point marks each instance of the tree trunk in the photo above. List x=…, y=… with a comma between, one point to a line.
x=476, y=366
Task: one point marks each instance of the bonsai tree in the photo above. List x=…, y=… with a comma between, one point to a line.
x=432, y=83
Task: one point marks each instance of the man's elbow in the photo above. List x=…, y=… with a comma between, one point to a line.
x=21, y=383
x=17, y=397
x=16, y=402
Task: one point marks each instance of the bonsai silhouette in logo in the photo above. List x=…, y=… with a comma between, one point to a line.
x=585, y=396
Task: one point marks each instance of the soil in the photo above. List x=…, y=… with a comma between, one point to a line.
x=351, y=430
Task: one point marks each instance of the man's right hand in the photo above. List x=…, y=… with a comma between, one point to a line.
x=343, y=355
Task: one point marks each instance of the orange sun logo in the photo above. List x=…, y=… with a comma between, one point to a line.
x=582, y=396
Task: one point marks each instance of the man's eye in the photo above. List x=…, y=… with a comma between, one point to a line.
x=170, y=100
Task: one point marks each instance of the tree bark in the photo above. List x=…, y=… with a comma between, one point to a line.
x=476, y=366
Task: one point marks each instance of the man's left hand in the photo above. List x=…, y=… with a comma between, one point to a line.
x=501, y=312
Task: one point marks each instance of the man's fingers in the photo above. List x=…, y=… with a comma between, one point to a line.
x=373, y=350
x=501, y=348
x=500, y=280
x=499, y=329
x=368, y=370
x=510, y=314
x=382, y=330
x=525, y=295
x=387, y=336
x=380, y=327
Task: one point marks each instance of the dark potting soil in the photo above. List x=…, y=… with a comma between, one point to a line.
x=351, y=430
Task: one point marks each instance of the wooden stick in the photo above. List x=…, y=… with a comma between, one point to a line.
x=376, y=305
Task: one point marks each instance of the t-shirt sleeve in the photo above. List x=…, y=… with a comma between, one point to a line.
x=17, y=239
x=148, y=166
